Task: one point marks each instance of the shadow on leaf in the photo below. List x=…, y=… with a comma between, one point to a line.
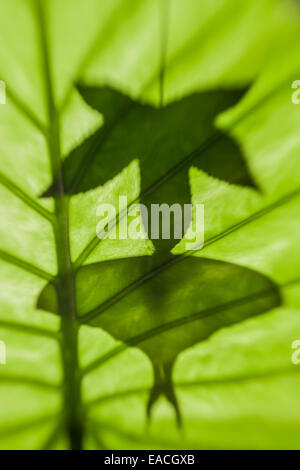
x=166, y=141
x=161, y=311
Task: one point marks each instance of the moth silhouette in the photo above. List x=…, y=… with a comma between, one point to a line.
x=162, y=304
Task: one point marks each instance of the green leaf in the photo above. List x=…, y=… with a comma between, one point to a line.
x=147, y=333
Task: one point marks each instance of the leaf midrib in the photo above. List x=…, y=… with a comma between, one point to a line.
x=65, y=286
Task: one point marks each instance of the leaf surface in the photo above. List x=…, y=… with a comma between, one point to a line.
x=144, y=326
